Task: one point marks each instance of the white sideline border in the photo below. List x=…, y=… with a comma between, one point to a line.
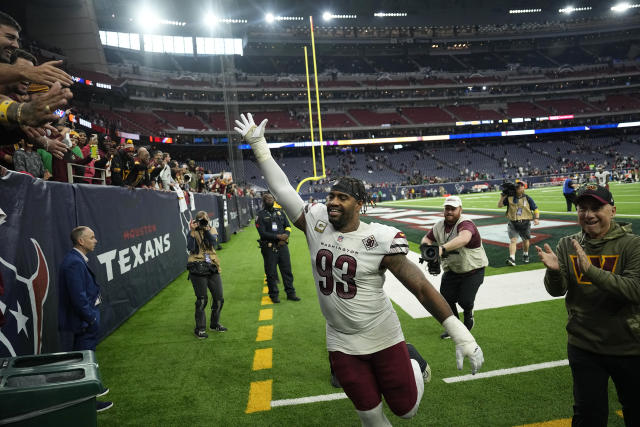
x=450, y=380
x=507, y=371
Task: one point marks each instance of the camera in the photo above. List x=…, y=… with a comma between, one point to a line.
x=508, y=189
x=186, y=177
x=430, y=255
x=202, y=222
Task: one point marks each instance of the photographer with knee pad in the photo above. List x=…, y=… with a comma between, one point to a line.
x=521, y=210
x=204, y=272
x=455, y=243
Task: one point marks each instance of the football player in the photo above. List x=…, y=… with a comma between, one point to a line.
x=349, y=258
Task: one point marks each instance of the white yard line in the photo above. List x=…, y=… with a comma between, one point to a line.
x=508, y=371
x=450, y=380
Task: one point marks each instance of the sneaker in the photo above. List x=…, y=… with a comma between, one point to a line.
x=219, y=328
x=293, y=297
x=511, y=261
x=103, y=406
x=275, y=300
x=104, y=393
x=426, y=374
x=525, y=258
x=424, y=366
x=468, y=321
x=201, y=334
x=444, y=336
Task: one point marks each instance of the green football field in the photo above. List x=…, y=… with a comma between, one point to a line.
x=271, y=367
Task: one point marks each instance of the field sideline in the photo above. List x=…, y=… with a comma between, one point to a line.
x=160, y=374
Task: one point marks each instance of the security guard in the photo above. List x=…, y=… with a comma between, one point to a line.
x=521, y=209
x=274, y=229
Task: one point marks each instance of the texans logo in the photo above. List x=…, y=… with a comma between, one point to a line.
x=22, y=307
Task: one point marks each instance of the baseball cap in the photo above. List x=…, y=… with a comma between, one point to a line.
x=595, y=191
x=452, y=201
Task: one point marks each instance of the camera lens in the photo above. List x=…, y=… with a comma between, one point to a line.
x=431, y=252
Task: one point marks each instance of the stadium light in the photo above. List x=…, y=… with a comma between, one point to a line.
x=269, y=18
x=623, y=7
x=210, y=20
x=327, y=16
x=570, y=9
x=148, y=18
x=389, y=14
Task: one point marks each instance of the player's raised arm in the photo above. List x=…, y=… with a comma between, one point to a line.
x=414, y=279
x=277, y=181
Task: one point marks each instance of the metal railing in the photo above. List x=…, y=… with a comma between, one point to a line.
x=71, y=175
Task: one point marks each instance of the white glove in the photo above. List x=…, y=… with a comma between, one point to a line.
x=466, y=345
x=254, y=135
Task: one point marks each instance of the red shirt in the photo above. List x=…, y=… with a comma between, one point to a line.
x=475, y=241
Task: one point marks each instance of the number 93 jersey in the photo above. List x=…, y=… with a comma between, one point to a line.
x=349, y=281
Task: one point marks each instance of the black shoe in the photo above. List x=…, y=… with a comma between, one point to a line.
x=275, y=300
x=105, y=392
x=103, y=406
x=201, y=334
x=468, y=321
x=293, y=297
x=525, y=258
x=444, y=336
x=511, y=261
x=219, y=328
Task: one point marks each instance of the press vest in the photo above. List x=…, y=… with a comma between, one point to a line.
x=522, y=205
x=200, y=256
x=466, y=259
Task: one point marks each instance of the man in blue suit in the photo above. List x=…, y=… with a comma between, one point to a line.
x=79, y=297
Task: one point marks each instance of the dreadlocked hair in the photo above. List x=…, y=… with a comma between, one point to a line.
x=355, y=188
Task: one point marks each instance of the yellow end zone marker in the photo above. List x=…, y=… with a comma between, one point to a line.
x=563, y=422
x=265, y=333
x=266, y=300
x=259, y=396
x=265, y=290
x=266, y=314
x=262, y=359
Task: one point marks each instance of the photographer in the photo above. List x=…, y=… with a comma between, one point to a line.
x=204, y=272
x=521, y=209
x=459, y=249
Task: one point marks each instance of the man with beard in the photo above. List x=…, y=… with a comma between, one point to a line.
x=274, y=229
x=462, y=256
x=598, y=272
x=349, y=258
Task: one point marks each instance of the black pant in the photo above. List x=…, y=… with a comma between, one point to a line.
x=571, y=200
x=274, y=257
x=200, y=285
x=461, y=289
x=591, y=374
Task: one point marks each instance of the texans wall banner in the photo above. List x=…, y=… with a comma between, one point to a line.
x=142, y=247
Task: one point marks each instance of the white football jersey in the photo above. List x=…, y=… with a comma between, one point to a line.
x=349, y=280
x=601, y=177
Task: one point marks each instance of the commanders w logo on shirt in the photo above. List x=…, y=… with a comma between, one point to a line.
x=605, y=262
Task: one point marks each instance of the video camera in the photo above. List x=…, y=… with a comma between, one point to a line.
x=430, y=255
x=508, y=189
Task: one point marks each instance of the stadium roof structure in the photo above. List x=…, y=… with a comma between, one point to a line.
x=120, y=13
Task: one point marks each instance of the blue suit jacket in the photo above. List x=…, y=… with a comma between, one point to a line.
x=78, y=292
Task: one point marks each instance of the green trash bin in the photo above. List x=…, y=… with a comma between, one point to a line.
x=57, y=389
